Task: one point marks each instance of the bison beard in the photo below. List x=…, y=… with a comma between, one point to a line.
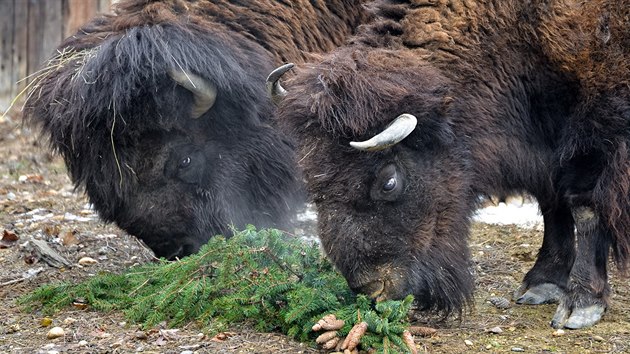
x=508, y=96
x=160, y=114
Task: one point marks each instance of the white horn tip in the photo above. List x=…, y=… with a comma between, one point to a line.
x=394, y=133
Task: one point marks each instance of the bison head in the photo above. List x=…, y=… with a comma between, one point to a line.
x=166, y=128
x=387, y=173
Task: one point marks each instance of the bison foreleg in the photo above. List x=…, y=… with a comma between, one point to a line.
x=586, y=298
x=545, y=282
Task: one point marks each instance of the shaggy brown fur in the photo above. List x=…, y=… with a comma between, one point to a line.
x=124, y=127
x=510, y=96
x=287, y=30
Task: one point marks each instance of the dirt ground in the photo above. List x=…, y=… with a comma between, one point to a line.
x=37, y=201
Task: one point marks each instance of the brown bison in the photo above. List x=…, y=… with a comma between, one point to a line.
x=159, y=111
x=435, y=103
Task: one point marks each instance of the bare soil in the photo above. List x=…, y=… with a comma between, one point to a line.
x=37, y=201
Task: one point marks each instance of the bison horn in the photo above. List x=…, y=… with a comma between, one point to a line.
x=274, y=89
x=205, y=93
x=394, y=133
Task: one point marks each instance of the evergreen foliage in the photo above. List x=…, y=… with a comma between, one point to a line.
x=275, y=282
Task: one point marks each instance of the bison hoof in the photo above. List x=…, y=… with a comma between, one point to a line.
x=546, y=293
x=577, y=318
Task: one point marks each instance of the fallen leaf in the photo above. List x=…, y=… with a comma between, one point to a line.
x=31, y=178
x=9, y=238
x=220, y=337
x=52, y=230
x=68, y=238
x=30, y=258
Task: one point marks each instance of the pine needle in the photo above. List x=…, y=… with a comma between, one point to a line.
x=275, y=282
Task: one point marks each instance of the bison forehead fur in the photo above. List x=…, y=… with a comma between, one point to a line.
x=509, y=96
x=110, y=107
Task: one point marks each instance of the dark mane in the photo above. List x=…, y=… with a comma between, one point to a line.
x=354, y=90
x=108, y=94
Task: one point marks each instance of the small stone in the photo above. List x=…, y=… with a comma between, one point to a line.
x=500, y=302
x=489, y=346
x=69, y=321
x=141, y=335
x=13, y=328
x=468, y=342
x=495, y=330
x=83, y=343
x=517, y=349
x=558, y=333
x=187, y=352
x=86, y=261
x=55, y=332
x=598, y=338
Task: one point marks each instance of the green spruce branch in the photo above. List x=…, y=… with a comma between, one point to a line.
x=275, y=282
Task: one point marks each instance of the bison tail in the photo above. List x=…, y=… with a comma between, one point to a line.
x=612, y=199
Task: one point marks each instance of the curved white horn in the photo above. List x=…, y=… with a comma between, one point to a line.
x=274, y=89
x=394, y=133
x=205, y=93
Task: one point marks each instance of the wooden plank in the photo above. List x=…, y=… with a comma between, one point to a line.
x=45, y=31
x=20, y=45
x=30, y=32
x=104, y=6
x=7, y=8
x=77, y=13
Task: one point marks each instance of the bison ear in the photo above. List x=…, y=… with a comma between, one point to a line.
x=430, y=134
x=434, y=129
x=204, y=92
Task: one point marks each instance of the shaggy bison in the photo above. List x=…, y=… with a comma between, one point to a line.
x=159, y=111
x=435, y=103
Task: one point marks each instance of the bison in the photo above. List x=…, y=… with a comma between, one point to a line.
x=435, y=103
x=160, y=114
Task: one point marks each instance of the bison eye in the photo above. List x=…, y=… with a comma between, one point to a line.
x=185, y=162
x=390, y=184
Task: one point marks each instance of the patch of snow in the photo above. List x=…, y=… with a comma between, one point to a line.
x=526, y=215
x=72, y=217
